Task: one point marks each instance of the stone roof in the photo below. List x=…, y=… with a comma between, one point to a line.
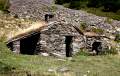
x=41, y=27
x=33, y=29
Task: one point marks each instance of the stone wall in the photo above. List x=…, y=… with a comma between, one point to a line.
x=91, y=40
x=52, y=38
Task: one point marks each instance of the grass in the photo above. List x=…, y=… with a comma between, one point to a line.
x=4, y=4
x=99, y=12
x=80, y=65
x=98, y=30
x=96, y=11
x=117, y=39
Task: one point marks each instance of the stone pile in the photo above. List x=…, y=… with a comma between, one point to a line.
x=76, y=17
x=29, y=8
x=36, y=9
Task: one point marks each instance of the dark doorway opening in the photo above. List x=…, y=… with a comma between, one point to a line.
x=28, y=45
x=69, y=48
x=48, y=16
x=97, y=47
x=10, y=46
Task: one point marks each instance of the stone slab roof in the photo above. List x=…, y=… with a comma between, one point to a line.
x=37, y=28
x=33, y=29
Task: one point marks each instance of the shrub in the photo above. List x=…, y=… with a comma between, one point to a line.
x=98, y=30
x=108, y=20
x=83, y=52
x=4, y=4
x=66, y=5
x=83, y=26
x=75, y=5
x=117, y=38
x=53, y=8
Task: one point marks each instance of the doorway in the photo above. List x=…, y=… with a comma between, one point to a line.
x=97, y=47
x=69, y=47
x=28, y=45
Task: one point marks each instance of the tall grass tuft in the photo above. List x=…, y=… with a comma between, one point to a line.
x=4, y=4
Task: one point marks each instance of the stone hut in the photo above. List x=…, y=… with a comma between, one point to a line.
x=58, y=38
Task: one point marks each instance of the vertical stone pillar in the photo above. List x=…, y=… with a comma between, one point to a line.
x=16, y=47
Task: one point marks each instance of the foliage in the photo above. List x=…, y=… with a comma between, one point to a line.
x=117, y=38
x=83, y=26
x=53, y=8
x=98, y=30
x=4, y=4
x=108, y=20
x=97, y=11
x=83, y=52
x=21, y=65
x=109, y=5
x=112, y=51
x=109, y=8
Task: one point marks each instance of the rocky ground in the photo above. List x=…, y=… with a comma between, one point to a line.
x=36, y=9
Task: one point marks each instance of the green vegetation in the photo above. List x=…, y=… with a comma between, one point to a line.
x=111, y=51
x=117, y=39
x=107, y=8
x=108, y=5
x=21, y=65
x=99, y=12
x=53, y=8
x=83, y=26
x=4, y=4
x=98, y=30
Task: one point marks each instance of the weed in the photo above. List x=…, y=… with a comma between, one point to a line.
x=117, y=38
x=83, y=26
x=98, y=30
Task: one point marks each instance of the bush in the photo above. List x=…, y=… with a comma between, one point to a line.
x=98, y=30
x=61, y=1
x=4, y=4
x=66, y=5
x=75, y=5
x=117, y=38
x=83, y=52
x=83, y=26
x=53, y=8
x=94, y=3
x=108, y=20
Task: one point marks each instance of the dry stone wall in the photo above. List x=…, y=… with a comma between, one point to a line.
x=52, y=38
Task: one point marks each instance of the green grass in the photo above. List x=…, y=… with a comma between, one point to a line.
x=20, y=65
x=98, y=30
x=99, y=12
x=3, y=4
x=96, y=11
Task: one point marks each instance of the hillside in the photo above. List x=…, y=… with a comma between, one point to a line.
x=30, y=17
x=107, y=8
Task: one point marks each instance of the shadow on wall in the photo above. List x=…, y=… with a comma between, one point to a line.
x=28, y=45
x=25, y=46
